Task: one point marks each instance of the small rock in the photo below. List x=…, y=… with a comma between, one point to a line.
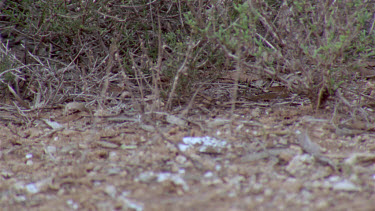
x=31, y=188
x=130, y=205
x=268, y=192
x=345, y=185
x=208, y=174
x=207, y=144
x=51, y=149
x=174, y=178
x=146, y=177
x=110, y=190
x=72, y=204
x=180, y=159
x=112, y=156
x=114, y=171
x=52, y=124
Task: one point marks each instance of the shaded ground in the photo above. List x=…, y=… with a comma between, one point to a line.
x=270, y=161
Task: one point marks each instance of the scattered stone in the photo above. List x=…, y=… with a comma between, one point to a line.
x=345, y=185
x=174, y=178
x=268, y=192
x=72, y=204
x=180, y=159
x=129, y=204
x=303, y=166
x=112, y=156
x=31, y=188
x=208, y=174
x=147, y=176
x=52, y=124
x=207, y=144
x=114, y=171
x=51, y=149
x=110, y=190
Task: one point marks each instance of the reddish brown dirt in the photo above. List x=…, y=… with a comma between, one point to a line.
x=126, y=164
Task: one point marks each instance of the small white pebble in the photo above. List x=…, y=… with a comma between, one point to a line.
x=180, y=159
x=208, y=174
x=72, y=204
x=181, y=171
x=110, y=190
x=51, y=149
x=112, y=155
x=268, y=192
x=218, y=133
x=31, y=188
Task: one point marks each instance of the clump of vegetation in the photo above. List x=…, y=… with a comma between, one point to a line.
x=77, y=50
x=309, y=46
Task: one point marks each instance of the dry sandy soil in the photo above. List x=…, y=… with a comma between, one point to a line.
x=272, y=155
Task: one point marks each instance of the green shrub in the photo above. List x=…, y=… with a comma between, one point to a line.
x=314, y=42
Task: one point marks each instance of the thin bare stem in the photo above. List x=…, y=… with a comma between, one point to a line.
x=181, y=70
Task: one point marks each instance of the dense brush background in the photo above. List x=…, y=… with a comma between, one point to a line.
x=54, y=52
